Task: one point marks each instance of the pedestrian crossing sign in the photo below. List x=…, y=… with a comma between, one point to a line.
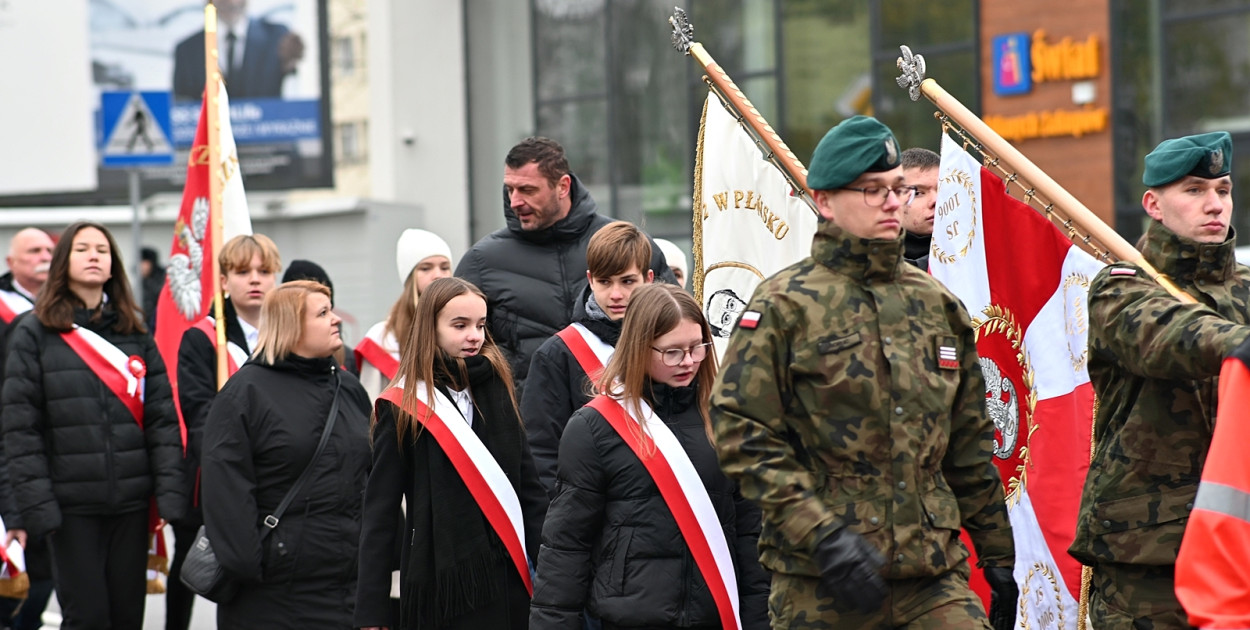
x=137, y=129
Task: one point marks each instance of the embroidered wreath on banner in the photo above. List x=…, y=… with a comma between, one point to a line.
x=1074, y=309
x=963, y=180
x=1026, y=590
x=1000, y=320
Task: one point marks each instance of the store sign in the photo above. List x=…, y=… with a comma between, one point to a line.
x=1013, y=73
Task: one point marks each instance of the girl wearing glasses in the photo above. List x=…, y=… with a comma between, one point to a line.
x=639, y=487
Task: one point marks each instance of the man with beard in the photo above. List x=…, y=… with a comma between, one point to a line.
x=533, y=270
x=920, y=171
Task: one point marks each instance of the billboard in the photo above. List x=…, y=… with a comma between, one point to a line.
x=273, y=55
x=47, y=130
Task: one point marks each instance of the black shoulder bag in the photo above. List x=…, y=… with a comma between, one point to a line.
x=200, y=570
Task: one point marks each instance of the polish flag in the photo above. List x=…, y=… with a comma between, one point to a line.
x=187, y=294
x=1025, y=287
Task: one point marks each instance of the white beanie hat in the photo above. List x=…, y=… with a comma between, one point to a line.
x=415, y=246
x=673, y=255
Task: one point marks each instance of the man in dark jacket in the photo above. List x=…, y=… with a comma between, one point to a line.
x=920, y=171
x=249, y=264
x=532, y=271
x=560, y=384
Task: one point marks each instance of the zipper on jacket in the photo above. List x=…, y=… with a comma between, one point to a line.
x=683, y=611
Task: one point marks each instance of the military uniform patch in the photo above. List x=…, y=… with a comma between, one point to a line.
x=1120, y=271
x=749, y=320
x=948, y=358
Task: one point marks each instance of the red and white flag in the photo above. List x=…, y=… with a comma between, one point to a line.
x=187, y=294
x=1025, y=287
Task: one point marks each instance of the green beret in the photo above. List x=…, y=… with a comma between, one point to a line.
x=855, y=146
x=1208, y=155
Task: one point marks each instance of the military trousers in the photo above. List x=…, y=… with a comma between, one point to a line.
x=943, y=601
x=1135, y=597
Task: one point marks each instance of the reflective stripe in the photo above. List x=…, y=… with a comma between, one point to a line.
x=1222, y=499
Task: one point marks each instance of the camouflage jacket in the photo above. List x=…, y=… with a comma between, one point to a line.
x=1154, y=365
x=833, y=411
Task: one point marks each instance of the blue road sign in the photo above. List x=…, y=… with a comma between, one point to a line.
x=136, y=129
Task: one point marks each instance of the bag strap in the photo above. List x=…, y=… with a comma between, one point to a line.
x=271, y=521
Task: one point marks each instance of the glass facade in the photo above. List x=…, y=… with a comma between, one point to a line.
x=626, y=105
x=1180, y=68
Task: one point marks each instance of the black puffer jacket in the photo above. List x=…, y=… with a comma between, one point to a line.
x=532, y=278
x=262, y=430
x=611, y=544
x=72, y=445
x=558, y=387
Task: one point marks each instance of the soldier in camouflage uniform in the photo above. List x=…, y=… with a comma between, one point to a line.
x=1154, y=365
x=851, y=408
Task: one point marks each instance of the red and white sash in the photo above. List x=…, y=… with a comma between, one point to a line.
x=486, y=481
x=686, y=496
x=590, y=351
x=235, y=356
x=370, y=350
x=121, y=374
x=13, y=304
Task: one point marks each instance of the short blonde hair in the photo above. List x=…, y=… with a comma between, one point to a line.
x=282, y=319
x=237, y=253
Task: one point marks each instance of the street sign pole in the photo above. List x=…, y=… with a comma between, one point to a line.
x=136, y=237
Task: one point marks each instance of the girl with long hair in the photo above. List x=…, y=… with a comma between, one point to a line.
x=421, y=257
x=262, y=432
x=612, y=544
x=90, y=434
x=448, y=440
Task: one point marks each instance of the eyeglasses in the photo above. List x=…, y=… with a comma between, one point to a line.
x=674, y=356
x=922, y=191
x=875, y=196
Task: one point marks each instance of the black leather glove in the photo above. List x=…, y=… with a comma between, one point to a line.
x=850, y=570
x=1004, y=596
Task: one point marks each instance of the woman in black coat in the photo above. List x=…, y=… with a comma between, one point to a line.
x=457, y=570
x=90, y=434
x=611, y=544
x=261, y=432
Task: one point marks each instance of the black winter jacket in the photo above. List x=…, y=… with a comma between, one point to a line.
x=558, y=387
x=262, y=429
x=72, y=445
x=532, y=278
x=611, y=544
x=197, y=385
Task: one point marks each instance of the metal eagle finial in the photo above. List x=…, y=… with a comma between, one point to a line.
x=912, y=67
x=683, y=32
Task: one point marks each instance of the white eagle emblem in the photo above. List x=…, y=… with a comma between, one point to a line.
x=185, y=269
x=1004, y=413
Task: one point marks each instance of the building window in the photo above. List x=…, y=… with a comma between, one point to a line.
x=344, y=53
x=352, y=138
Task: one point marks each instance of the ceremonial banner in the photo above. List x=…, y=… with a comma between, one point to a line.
x=1025, y=286
x=1211, y=578
x=187, y=294
x=748, y=224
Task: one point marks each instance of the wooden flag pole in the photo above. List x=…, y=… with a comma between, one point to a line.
x=216, y=181
x=771, y=144
x=913, y=69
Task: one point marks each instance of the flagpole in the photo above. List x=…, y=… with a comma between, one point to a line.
x=771, y=144
x=913, y=78
x=212, y=83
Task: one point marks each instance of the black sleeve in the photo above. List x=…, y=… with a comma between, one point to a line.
x=23, y=422
x=470, y=268
x=546, y=405
x=8, y=508
x=754, y=581
x=378, y=527
x=534, y=500
x=229, y=483
x=197, y=385
x=163, y=436
x=571, y=531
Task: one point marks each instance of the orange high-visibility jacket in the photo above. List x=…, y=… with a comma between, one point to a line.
x=1213, y=568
